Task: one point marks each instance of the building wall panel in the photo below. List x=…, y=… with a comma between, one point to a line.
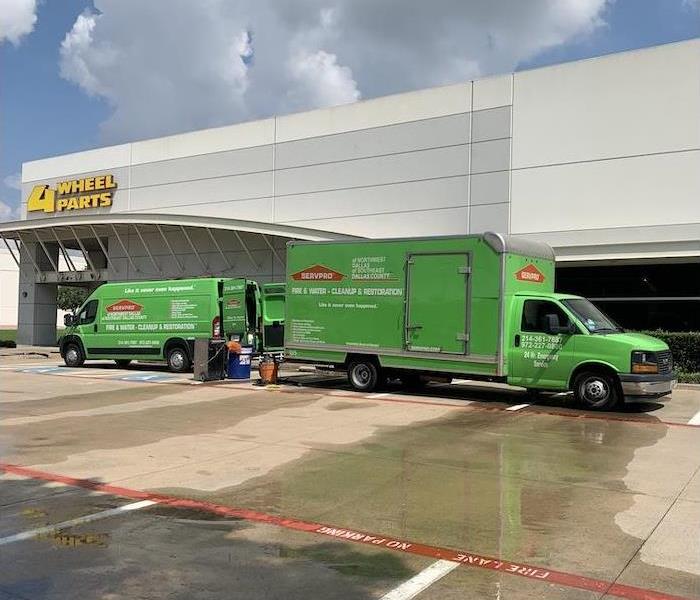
x=403, y=137
x=619, y=105
x=203, y=166
x=393, y=198
x=441, y=221
x=491, y=124
x=623, y=193
x=422, y=164
x=399, y=108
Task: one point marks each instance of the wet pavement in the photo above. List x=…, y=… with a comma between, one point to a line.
x=309, y=489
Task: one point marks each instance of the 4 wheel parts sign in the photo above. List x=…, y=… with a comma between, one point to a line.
x=74, y=194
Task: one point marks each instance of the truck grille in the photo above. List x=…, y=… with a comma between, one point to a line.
x=665, y=362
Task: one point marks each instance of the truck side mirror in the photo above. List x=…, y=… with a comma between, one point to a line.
x=69, y=320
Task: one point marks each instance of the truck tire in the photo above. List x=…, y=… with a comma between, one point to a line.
x=364, y=375
x=73, y=355
x=596, y=390
x=122, y=363
x=178, y=359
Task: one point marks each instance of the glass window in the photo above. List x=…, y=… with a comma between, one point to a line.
x=89, y=312
x=535, y=313
x=592, y=317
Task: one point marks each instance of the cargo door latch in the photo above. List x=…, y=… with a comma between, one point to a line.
x=464, y=270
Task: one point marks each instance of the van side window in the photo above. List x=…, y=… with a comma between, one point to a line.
x=89, y=312
x=535, y=311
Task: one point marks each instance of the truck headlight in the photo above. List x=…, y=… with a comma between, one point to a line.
x=644, y=362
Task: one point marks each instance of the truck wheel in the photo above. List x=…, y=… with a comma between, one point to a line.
x=178, y=360
x=73, y=356
x=123, y=362
x=364, y=375
x=596, y=391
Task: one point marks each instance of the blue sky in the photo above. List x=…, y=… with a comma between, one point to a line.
x=43, y=114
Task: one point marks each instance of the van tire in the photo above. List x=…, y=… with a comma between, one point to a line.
x=73, y=355
x=364, y=375
x=178, y=360
x=122, y=363
x=596, y=390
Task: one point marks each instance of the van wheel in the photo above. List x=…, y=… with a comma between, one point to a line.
x=178, y=360
x=73, y=356
x=596, y=391
x=123, y=362
x=364, y=375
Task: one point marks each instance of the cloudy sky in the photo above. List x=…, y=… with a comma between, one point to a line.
x=76, y=74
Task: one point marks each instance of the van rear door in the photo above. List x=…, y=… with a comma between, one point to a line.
x=435, y=317
x=234, y=308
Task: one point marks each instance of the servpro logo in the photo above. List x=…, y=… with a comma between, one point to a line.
x=124, y=306
x=76, y=194
x=317, y=273
x=233, y=303
x=530, y=273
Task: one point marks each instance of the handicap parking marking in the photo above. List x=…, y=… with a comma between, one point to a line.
x=41, y=370
x=145, y=377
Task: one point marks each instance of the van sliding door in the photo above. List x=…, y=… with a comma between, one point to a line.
x=436, y=306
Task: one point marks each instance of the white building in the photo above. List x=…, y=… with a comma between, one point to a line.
x=600, y=158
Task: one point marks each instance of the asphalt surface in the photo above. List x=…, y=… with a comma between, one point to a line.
x=138, y=483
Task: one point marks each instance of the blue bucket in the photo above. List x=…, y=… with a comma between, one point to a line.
x=239, y=364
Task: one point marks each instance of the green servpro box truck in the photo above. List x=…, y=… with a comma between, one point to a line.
x=159, y=320
x=477, y=307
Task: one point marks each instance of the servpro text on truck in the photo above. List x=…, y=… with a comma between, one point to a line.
x=480, y=307
x=159, y=320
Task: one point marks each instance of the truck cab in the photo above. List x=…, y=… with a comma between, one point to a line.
x=560, y=342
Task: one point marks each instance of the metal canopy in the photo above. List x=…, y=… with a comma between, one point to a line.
x=89, y=235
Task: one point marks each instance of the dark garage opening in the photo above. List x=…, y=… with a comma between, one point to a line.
x=649, y=296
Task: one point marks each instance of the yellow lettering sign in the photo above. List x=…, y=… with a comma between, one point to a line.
x=70, y=195
x=42, y=197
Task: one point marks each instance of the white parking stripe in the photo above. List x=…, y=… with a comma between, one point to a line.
x=517, y=406
x=695, y=420
x=28, y=535
x=422, y=581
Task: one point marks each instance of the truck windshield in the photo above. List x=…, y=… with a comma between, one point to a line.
x=592, y=318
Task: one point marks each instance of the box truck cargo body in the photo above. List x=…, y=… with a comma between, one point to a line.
x=471, y=306
x=159, y=320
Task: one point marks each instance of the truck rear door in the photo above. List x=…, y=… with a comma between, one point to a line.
x=273, y=298
x=436, y=303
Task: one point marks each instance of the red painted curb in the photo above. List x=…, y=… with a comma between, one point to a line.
x=464, y=558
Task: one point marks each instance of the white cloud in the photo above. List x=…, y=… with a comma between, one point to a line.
x=175, y=65
x=14, y=181
x=17, y=19
x=8, y=212
x=320, y=81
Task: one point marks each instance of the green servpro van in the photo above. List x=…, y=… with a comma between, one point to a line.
x=476, y=307
x=159, y=320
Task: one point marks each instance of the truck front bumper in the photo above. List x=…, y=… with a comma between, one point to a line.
x=647, y=386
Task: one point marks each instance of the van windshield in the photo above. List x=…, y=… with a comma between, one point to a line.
x=592, y=317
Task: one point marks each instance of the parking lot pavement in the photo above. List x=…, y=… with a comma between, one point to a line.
x=309, y=489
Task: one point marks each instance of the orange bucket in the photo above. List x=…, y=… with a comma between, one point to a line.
x=268, y=371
